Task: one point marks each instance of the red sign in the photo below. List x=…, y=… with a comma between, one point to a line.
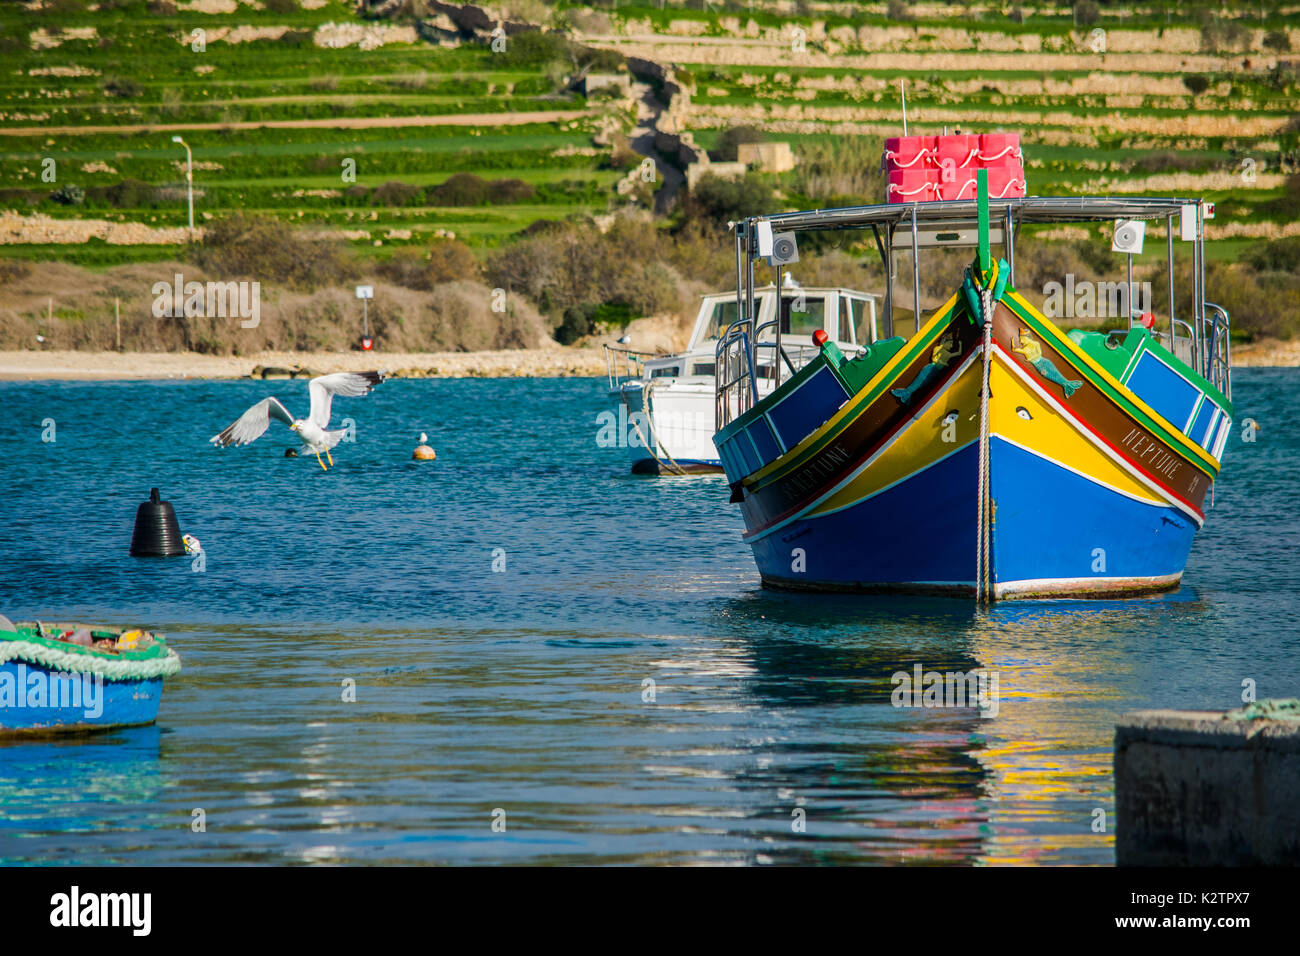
x=367, y=343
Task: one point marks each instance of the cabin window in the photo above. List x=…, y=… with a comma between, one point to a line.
x=863, y=315
x=667, y=372
x=704, y=368
x=724, y=314
x=846, y=319
x=802, y=314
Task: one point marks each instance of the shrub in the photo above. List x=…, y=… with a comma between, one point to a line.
x=281, y=6
x=1280, y=255
x=533, y=48
x=394, y=193
x=898, y=10
x=577, y=322
x=1286, y=206
x=845, y=166
x=268, y=250
x=69, y=195
x=356, y=195
x=504, y=191
x=570, y=265
x=621, y=156
x=724, y=150
x=296, y=38
x=123, y=87
x=1196, y=83
x=461, y=189
x=451, y=260
x=13, y=270
x=1086, y=13
x=447, y=260
x=718, y=200
x=1277, y=40
x=130, y=194
x=1220, y=35
x=161, y=8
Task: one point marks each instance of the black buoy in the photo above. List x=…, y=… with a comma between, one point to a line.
x=157, y=535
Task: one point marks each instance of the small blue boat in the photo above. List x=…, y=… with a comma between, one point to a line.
x=68, y=678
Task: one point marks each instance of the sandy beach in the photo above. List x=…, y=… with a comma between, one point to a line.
x=536, y=363
x=541, y=363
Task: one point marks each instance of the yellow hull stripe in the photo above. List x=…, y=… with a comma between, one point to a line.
x=1049, y=434
x=1065, y=344
x=920, y=443
x=851, y=408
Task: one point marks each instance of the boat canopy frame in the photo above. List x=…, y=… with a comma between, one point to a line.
x=906, y=227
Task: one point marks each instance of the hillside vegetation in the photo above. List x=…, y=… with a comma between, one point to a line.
x=402, y=151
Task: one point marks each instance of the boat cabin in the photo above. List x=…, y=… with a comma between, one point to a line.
x=848, y=318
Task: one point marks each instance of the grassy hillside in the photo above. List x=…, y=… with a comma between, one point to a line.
x=279, y=124
x=284, y=99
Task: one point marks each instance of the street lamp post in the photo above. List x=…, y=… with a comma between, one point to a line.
x=189, y=180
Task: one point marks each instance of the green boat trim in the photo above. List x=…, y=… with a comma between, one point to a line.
x=1096, y=373
x=28, y=643
x=864, y=395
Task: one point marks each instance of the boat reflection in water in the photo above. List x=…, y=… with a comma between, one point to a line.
x=62, y=798
x=1066, y=671
x=881, y=783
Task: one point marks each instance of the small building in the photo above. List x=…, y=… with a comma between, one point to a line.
x=766, y=157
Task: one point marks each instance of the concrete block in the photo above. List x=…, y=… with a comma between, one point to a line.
x=1208, y=788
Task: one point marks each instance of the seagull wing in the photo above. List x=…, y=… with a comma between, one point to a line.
x=348, y=384
x=253, y=423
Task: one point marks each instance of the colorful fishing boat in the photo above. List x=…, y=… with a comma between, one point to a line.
x=664, y=403
x=988, y=452
x=69, y=678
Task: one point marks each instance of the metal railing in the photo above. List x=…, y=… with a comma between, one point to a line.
x=633, y=364
x=1217, y=368
x=736, y=384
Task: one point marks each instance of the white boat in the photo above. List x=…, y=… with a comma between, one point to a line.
x=665, y=403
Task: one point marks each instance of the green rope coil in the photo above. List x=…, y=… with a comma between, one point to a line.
x=27, y=645
x=1268, y=710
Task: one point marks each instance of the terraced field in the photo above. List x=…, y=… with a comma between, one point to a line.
x=277, y=123
x=1128, y=105
x=390, y=133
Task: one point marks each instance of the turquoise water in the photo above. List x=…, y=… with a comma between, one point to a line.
x=522, y=691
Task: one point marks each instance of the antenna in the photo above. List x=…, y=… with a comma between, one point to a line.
x=902, y=85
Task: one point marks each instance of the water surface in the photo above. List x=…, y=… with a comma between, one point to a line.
x=523, y=690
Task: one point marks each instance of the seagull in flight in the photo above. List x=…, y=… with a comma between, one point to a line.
x=314, y=429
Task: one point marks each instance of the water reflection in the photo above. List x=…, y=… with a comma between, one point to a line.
x=84, y=785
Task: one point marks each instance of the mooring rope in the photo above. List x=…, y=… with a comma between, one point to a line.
x=673, y=468
x=983, y=543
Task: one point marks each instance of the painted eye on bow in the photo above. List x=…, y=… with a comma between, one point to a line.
x=1024, y=413
x=949, y=418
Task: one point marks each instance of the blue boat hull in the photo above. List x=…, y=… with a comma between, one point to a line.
x=34, y=699
x=920, y=535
